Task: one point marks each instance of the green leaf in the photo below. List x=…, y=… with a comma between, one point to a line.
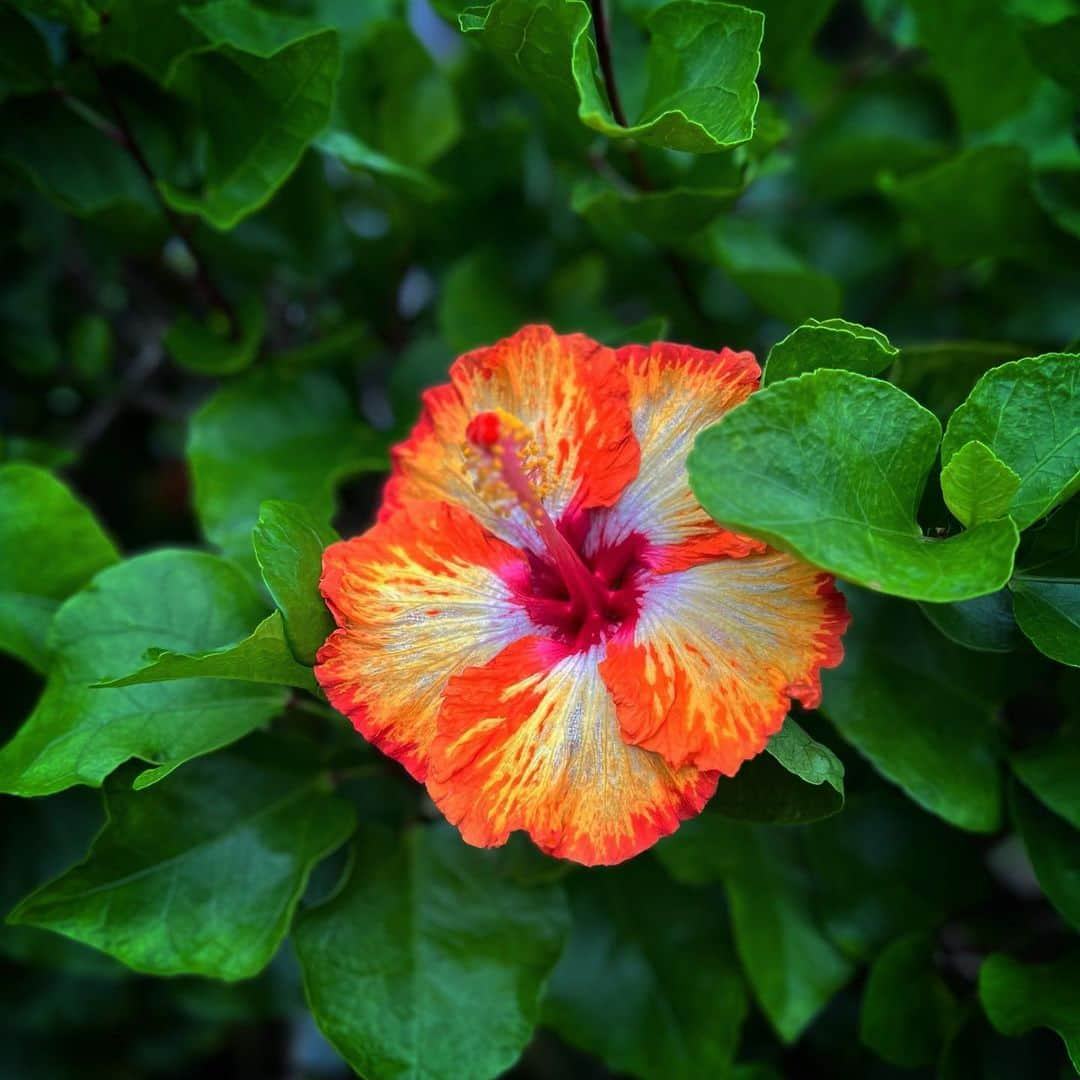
x=978, y=486
x=912, y=871
x=427, y=961
x=270, y=437
x=207, y=348
x=289, y=543
x=214, y=897
x=1048, y=612
x=263, y=656
x=681, y=1001
x=830, y=466
x=979, y=57
x=1053, y=846
x=1028, y=413
x=908, y=1011
x=1049, y=769
x=1018, y=997
x=1054, y=48
x=702, y=60
x=77, y=734
x=985, y=624
x=793, y=968
x=977, y=205
x=266, y=85
x=898, y=680
x=50, y=546
x=834, y=343
x=806, y=757
x=772, y=274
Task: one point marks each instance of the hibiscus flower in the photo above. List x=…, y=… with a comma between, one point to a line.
x=544, y=626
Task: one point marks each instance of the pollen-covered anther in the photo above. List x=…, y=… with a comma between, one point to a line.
x=505, y=464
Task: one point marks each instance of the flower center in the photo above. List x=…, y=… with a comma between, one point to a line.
x=582, y=599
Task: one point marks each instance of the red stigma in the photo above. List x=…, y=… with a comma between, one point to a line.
x=484, y=429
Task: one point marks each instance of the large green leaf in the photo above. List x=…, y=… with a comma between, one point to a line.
x=920, y=709
x=429, y=962
x=199, y=875
x=263, y=656
x=265, y=85
x=271, y=437
x=793, y=967
x=289, y=543
x=701, y=64
x=181, y=600
x=50, y=546
x=830, y=466
x=1053, y=846
x=1018, y=997
x=680, y=1002
x=977, y=485
x=834, y=343
x=1028, y=413
x=908, y=1011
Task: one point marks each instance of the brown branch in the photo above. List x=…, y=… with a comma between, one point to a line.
x=680, y=271
x=125, y=136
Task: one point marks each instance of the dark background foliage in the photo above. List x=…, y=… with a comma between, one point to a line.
x=238, y=239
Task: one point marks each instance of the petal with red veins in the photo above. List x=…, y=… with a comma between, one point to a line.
x=417, y=598
x=531, y=741
x=675, y=392
x=571, y=395
x=717, y=654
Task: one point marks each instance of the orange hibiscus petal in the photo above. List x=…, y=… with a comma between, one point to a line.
x=675, y=392
x=718, y=653
x=571, y=395
x=531, y=741
x=416, y=599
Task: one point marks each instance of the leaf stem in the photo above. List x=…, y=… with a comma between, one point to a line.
x=680, y=271
x=125, y=136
